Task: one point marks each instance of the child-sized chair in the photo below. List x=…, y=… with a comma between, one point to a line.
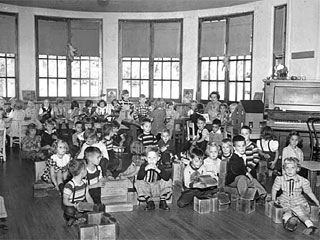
x=16, y=133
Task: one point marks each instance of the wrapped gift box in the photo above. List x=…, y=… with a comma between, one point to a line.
x=246, y=202
x=276, y=213
x=202, y=204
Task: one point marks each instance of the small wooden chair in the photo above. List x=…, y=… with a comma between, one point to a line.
x=16, y=137
x=191, y=130
x=3, y=145
x=179, y=132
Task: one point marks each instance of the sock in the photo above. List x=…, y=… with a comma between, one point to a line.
x=308, y=223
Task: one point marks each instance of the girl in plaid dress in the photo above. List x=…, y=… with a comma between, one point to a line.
x=295, y=206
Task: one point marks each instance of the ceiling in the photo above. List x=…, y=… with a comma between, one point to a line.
x=127, y=5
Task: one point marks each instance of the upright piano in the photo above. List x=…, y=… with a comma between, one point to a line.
x=288, y=105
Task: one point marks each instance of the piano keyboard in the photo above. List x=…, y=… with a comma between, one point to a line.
x=293, y=125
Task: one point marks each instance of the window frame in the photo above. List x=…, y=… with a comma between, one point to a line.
x=226, y=72
x=16, y=62
x=150, y=57
x=69, y=96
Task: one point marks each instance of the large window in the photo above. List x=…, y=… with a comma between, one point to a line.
x=225, y=57
x=8, y=55
x=279, y=35
x=60, y=73
x=151, y=58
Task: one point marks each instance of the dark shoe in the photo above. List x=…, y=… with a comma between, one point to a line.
x=292, y=224
x=150, y=206
x=163, y=205
x=311, y=230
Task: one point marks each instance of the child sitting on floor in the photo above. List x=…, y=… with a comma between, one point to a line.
x=216, y=133
x=103, y=110
x=60, y=114
x=74, y=192
x=227, y=150
x=167, y=149
x=202, y=137
x=252, y=154
x=74, y=111
x=171, y=115
x=158, y=116
x=237, y=172
x=212, y=162
x=58, y=163
x=191, y=179
x=126, y=106
x=141, y=110
x=48, y=137
x=193, y=108
x=31, y=144
x=153, y=180
x=88, y=110
x=45, y=111
x=146, y=137
x=295, y=205
x=94, y=173
x=31, y=115
x=293, y=148
x=223, y=114
x=76, y=143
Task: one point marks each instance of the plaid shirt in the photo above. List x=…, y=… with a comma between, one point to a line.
x=141, y=111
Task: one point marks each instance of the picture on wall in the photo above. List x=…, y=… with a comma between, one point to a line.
x=187, y=95
x=111, y=94
x=28, y=95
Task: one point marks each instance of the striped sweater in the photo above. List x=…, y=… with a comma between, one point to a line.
x=252, y=157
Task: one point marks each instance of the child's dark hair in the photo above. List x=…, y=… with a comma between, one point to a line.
x=196, y=152
x=88, y=120
x=79, y=123
x=145, y=120
x=225, y=106
x=216, y=122
x=172, y=104
x=200, y=108
x=142, y=96
x=102, y=101
x=201, y=118
x=238, y=138
x=74, y=104
x=59, y=100
x=18, y=105
x=247, y=128
x=107, y=129
x=294, y=133
x=114, y=101
x=49, y=122
x=75, y=166
x=226, y=140
x=165, y=130
x=88, y=103
x=30, y=127
x=153, y=149
x=89, y=151
x=267, y=133
x=215, y=93
x=115, y=124
x=124, y=92
x=90, y=134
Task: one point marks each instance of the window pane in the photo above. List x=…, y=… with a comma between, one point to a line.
x=157, y=89
x=11, y=87
x=239, y=91
x=135, y=70
x=175, y=91
x=2, y=67
x=221, y=90
x=247, y=91
x=52, y=87
x=94, y=69
x=248, y=70
x=166, y=70
x=240, y=71
x=75, y=88
x=75, y=71
x=3, y=87
x=43, y=68
x=157, y=70
x=85, y=88
x=221, y=70
x=145, y=88
x=94, y=88
x=166, y=89
x=127, y=85
x=135, y=89
x=232, y=72
x=213, y=70
x=204, y=70
x=232, y=91
x=204, y=90
x=52, y=68
x=10, y=67
x=62, y=88
x=62, y=68
x=213, y=86
x=126, y=70
x=85, y=69
x=175, y=70
x=43, y=87
x=144, y=70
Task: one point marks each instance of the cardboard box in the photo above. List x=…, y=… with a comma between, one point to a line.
x=119, y=207
x=223, y=201
x=314, y=215
x=246, y=202
x=88, y=232
x=234, y=199
x=268, y=208
x=276, y=213
x=109, y=228
x=39, y=168
x=202, y=204
x=132, y=196
x=115, y=198
x=177, y=173
x=214, y=204
x=94, y=218
x=116, y=187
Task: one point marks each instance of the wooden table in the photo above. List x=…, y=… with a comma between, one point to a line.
x=313, y=167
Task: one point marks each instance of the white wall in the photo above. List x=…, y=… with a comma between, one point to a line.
x=303, y=35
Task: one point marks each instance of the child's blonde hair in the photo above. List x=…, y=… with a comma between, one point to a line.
x=212, y=145
x=152, y=149
x=159, y=103
x=56, y=143
x=18, y=105
x=291, y=160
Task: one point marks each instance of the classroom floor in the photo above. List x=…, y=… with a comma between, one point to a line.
x=41, y=218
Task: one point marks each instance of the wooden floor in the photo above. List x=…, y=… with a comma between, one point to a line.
x=41, y=218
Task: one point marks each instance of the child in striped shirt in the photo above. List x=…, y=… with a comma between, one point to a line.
x=252, y=153
x=295, y=205
x=94, y=173
x=147, y=138
x=74, y=192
